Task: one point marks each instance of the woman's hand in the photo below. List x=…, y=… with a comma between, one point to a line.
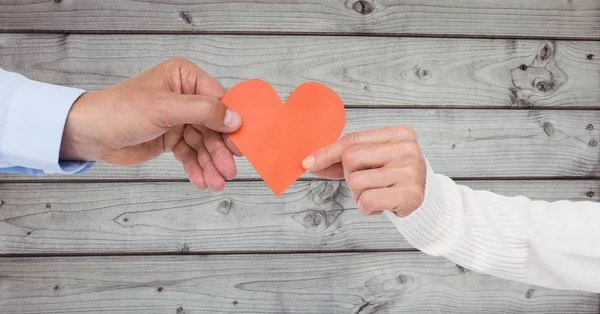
x=384, y=169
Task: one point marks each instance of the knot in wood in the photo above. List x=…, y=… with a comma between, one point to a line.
x=590, y=194
x=589, y=127
x=186, y=17
x=548, y=128
x=546, y=52
x=529, y=293
x=523, y=67
x=593, y=142
x=324, y=192
x=363, y=7
x=225, y=206
x=424, y=73
x=544, y=86
x=402, y=279
x=589, y=56
x=179, y=310
x=313, y=219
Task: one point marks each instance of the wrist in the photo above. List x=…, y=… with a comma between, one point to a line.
x=76, y=143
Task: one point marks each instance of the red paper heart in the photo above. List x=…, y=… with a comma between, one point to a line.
x=276, y=137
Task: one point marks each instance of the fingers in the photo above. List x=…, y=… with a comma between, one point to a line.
x=232, y=148
x=221, y=155
x=359, y=157
x=175, y=109
x=334, y=152
x=187, y=156
x=360, y=181
x=399, y=200
x=333, y=172
x=212, y=177
x=196, y=81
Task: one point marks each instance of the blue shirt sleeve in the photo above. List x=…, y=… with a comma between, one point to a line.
x=32, y=119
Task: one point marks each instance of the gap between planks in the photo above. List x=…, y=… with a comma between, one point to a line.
x=297, y=34
x=197, y=253
x=20, y=180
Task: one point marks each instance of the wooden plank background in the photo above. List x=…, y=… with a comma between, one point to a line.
x=458, y=143
x=175, y=217
x=365, y=71
x=290, y=283
x=504, y=96
x=507, y=18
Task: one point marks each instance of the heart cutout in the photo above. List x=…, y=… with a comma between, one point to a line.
x=276, y=137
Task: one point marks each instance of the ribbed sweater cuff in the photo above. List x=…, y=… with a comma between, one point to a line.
x=478, y=230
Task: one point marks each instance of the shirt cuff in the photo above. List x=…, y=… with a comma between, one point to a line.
x=34, y=125
x=478, y=230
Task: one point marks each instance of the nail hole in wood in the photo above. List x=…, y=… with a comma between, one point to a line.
x=160, y=289
x=523, y=67
x=590, y=194
x=48, y=205
x=590, y=56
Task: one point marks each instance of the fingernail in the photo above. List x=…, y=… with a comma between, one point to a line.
x=308, y=162
x=232, y=120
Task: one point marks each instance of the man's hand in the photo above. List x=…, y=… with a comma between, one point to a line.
x=173, y=107
x=384, y=169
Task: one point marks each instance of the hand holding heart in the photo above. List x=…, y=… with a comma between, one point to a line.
x=173, y=107
x=383, y=168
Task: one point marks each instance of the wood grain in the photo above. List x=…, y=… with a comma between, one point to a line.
x=458, y=143
x=365, y=71
x=246, y=217
x=330, y=283
x=505, y=18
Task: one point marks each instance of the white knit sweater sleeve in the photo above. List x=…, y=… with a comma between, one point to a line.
x=550, y=244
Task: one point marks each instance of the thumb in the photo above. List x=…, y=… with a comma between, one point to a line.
x=200, y=109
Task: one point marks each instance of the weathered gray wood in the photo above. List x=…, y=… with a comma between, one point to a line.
x=517, y=18
x=171, y=217
x=458, y=143
x=365, y=71
x=330, y=283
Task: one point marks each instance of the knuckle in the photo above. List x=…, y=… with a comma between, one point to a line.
x=349, y=139
x=407, y=133
x=368, y=201
x=412, y=149
x=349, y=155
x=177, y=61
x=353, y=180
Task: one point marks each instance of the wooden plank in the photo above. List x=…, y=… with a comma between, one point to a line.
x=365, y=71
x=313, y=283
x=458, y=143
x=246, y=217
x=507, y=18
